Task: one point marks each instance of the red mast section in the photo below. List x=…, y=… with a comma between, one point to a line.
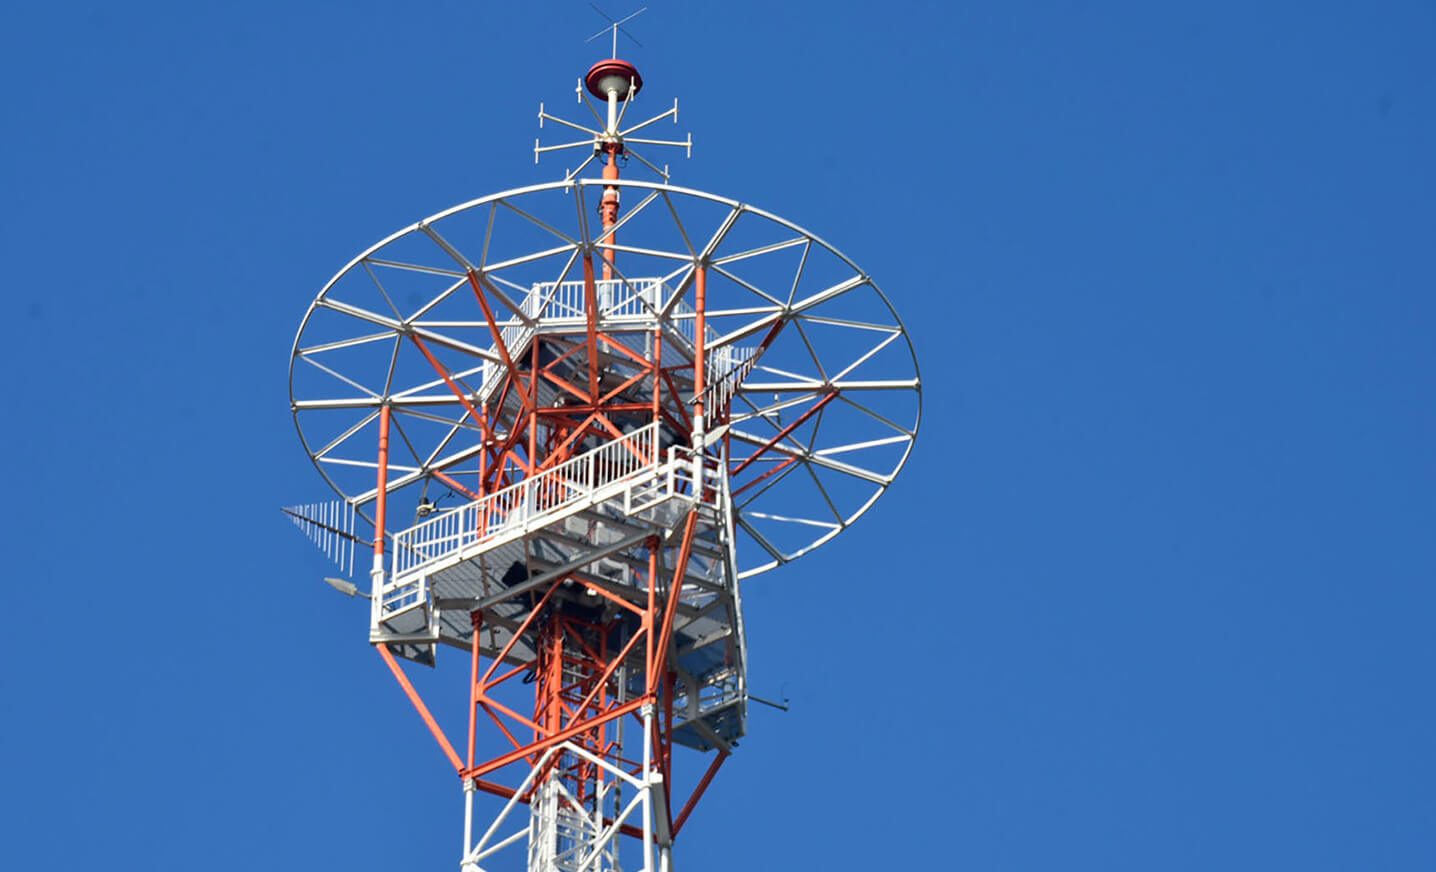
x=600, y=665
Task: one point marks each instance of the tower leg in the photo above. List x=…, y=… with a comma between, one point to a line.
x=563, y=836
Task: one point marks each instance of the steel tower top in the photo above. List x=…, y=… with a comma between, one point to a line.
x=570, y=420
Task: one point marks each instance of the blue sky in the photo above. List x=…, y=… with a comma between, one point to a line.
x=1155, y=591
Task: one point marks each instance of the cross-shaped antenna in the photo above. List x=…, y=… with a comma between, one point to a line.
x=616, y=26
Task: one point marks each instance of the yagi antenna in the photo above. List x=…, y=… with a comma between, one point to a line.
x=615, y=27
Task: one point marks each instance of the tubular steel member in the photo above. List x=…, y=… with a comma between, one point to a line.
x=613, y=81
x=602, y=438
x=376, y=572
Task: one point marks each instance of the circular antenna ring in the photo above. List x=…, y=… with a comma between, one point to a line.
x=814, y=433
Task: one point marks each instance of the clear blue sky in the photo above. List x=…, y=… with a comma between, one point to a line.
x=1155, y=592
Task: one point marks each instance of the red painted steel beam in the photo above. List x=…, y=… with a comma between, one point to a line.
x=493, y=326
x=783, y=434
x=556, y=738
x=443, y=372
x=680, y=568
x=779, y=468
x=608, y=672
x=476, y=620
x=454, y=484
x=590, y=305
x=381, y=499
x=698, y=792
x=419, y=704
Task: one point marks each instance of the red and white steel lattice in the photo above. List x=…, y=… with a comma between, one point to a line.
x=604, y=403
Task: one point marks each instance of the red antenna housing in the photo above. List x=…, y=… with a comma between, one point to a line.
x=615, y=75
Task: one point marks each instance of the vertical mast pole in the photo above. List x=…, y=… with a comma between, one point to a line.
x=381, y=499
x=610, y=174
x=700, y=373
x=657, y=396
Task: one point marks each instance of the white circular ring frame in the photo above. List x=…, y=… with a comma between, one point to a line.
x=847, y=341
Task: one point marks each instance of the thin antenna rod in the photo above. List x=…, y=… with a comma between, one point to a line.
x=615, y=27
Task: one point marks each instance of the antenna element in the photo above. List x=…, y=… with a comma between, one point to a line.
x=615, y=27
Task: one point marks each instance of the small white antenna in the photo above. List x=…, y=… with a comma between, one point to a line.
x=615, y=83
x=615, y=27
x=330, y=526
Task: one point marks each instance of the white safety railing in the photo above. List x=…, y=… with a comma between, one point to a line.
x=546, y=493
x=618, y=300
x=727, y=367
x=400, y=597
x=563, y=301
x=635, y=299
x=678, y=474
x=515, y=336
x=615, y=297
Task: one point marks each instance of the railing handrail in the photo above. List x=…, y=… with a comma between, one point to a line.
x=567, y=297
x=544, y=298
x=410, y=544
